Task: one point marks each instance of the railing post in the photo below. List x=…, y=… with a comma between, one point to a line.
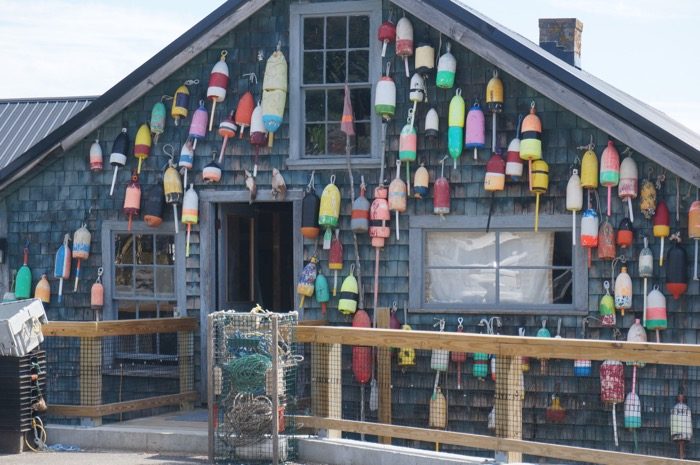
x=326, y=386
x=384, y=374
x=185, y=354
x=91, y=376
x=509, y=404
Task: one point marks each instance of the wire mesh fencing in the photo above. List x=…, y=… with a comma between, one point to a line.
x=252, y=362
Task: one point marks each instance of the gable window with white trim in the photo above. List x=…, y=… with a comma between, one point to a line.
x=457, y=266
x=331, y=44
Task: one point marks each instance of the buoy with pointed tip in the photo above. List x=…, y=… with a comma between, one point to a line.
x=475, y=129
x=606, y=241
x=610, y=169
x=81, y=250
x=120, y=150
x=661, y=227
x=142, y=145
x=656, y=312
x=172, y=189
x=612, y=388
x=359, y=217
x=446, y=69
x=157, y=122
x=227, y=130
x=96, y=158
x=531, y=139
x=625, y=233
x=421, y=182
x=386, y=34
x=335, y=258
x=432, y=124
x=274, y=96
x=627, y=189
x=42, y=291
x=540, y=184
x=309, y=212
x=455, y=129
x=397, y=196
x=190, y=213
x=589, y=231
x=694, y=232
x=244, y=112
x=623, y=291
x=676, y=268
x=23, y=279
x=681, y=425
x=404, y=41
x=514, y=164
x=441, y=192
x=218, y=82
x=198, y=126
x=574, y=200
x=307, y=278
x=606, y=307
x=329, y=211
x=153, y=199
x=97, y=292
x=62, y=264
x=132, y=198
x=347, y=303
x=408, y=143
x=589, y=169
x=321, y=291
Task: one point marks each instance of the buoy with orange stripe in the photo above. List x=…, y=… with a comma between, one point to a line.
x=531, y=140
x=227, y=130
x=359, y=220
x=218, y=82
x=335, y=258
x=190, y=213
x=96, y=158
x=307, y=278
x=676, y=268
x=81, y=250
x=694, y=231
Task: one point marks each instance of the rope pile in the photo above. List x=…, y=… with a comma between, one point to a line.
x=247, y=374
x=249, y=417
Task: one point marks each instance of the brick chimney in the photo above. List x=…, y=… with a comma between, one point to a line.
x=562, y=38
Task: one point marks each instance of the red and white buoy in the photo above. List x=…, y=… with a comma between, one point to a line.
x=218, y=82
x=404, y=41
x=96, y=156
x=227, y=130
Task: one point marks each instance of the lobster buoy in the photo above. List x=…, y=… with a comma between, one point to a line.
x=81, y=250
x=661, y=227
x=190, y=213
x=23, y=279
x=645, y=265
x=612, y=388
x=424, y=61
x=244, y=112
x=438, y=409
x=494, y=102
x=636, y=333
x=186, y=160
x=274, y=96
x=681, y=425
x=531, y=139
x=258, y=134
x=656, y=312
x=625, y=233
x=96, y=159
x=555, y=413
x=440, y=358
x=329, y=211
x=62, y=264
x=543, y=332
x=378, y=231
x=157, y=122
x=120, y=150
x=307, y=278
x=347, y=304
x=514, y=164
x=676, y=268
x=181, y=102
x=132, y=198
x=589, y=231
x=441, y=192
x=455, y=129
x=540, y=183
x=361, y=355
x=397, y=196
x=623, y=291
x=648, y=203
x=359, y=217
x=172, y=190
x=606, y=242
x=198, y=126
x=446, y=69
x=475, y=129
x=335, y=258
x=142, y=145
x=97, y=292
x=606, y=308
x=227, y=130
x=309, y=212
x=495, y=178
x=385, y=96
x=582, y=367
x=627, y=189
x=404, y=41
x=432, y=124
x=407, y=355
x=42, y=291
x=153, y=205
x=218, y=82
x=211, y=173
x=609, y=169
x=321, y=291
x=407, y=148
x=574, y=200
x=694, y=232
x=421, y=182
x=589, y=169
x=386, y=34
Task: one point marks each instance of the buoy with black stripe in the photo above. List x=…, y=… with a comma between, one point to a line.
x=120, y=150
x=540, y=184
x=421, y=181
x=181, y=102
x=218, y=82
x=309, y=211
x=347, y=304
x=531, y=140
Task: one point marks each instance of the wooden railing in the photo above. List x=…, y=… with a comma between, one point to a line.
x=326, y=364
x=91, y=336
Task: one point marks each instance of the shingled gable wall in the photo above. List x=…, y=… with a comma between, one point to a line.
x=54, y=200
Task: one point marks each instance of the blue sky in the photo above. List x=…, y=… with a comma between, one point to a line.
x=647, y=48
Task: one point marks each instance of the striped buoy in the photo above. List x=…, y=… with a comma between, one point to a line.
x=218, y=82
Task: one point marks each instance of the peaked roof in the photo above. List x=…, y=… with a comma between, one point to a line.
x=625, y=118
x=24, y=122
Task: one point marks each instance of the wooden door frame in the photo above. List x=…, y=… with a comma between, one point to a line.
x=209, y=255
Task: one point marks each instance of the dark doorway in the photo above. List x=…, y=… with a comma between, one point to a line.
x=257, y=259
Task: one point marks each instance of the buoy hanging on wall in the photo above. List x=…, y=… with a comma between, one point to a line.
x=645, y=270
x=218, y=83
x=81, y=250
x=386, y=34
x=359, y=217
x=475, y=129
x=142, y=145
x=274, y=96
x=190, y=214
x=606, y=307
x=132, y=198
x=455, y=130
x=676, y=268
x=62, y=265
x=397, y=196
x=309, y=211
x=540, y=184
x=628, y=187
x=421, y=182
x=120, y=150
x=347, y=304
x=198, y=126
x=96, y=159
x=157, y=122
x=694, y=232
x=43, y=290
x=321, y=291
x=307, y=278
x=531, y=143
x=574, y=200
x=172, y=189
x=661, y=227
x=625, y=233
x=657, y=319
x=610, y=169
x=97, y=292
x=404, y=41
x=329, y=211
x=514, y=164
x=589, y=231
x=441, y=192
x=446, y=69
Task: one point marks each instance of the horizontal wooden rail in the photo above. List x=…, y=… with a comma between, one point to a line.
x=571, y=349
x=118, y=327
x=121, y=407
x=477, y=441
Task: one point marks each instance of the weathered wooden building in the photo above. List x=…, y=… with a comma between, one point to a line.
x=443, y=266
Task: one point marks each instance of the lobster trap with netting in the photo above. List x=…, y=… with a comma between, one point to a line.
x=252, y=386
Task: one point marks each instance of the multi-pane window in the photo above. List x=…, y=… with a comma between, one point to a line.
x=332, y=44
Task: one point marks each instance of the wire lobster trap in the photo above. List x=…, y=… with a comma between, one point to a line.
x=252, y=364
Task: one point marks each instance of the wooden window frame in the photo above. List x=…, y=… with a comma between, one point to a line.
x=420, y=225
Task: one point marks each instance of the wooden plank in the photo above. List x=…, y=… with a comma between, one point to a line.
x=312, y=323
x=121, y=407
x=578, y=454
x=568, y=349
x=118, y=327
x=384, y=374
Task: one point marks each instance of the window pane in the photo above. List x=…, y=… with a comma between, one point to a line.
x=123, y=280
x=144, y=249
x=165, y=280
x=123, y=250
x=165, y=250
x=313, y=33
x=359, y=31
x=126, y=310
x=335, y=31
x=315, y=139
x=562, y=286
x=526, y=286
x=315, y=105
x=144, y=280
x=363, y=139
x=526, y=248
x=313, y=68
x=166, y=309
x=358, y=66
x=461, y=249
x=336, y=140
x=335, y=68
x=335, y=104
x=460, y=286
x=361, y=103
